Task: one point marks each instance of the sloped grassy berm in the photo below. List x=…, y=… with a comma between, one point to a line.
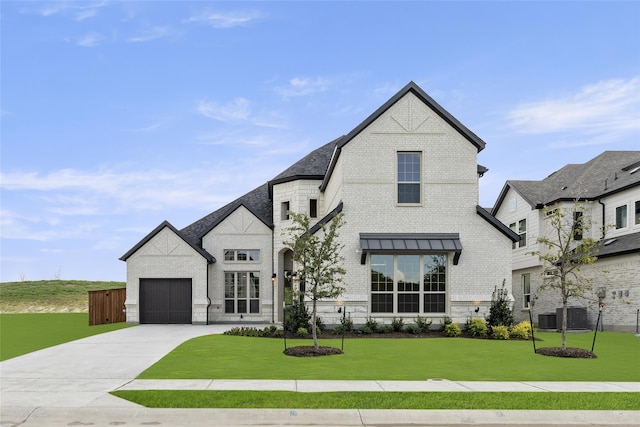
x=50, y=296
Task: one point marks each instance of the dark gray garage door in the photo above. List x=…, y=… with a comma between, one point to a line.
x=165, y=301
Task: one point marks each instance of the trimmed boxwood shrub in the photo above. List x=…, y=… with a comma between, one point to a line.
x=452, y=330
x=478, y=327
x=500, y=332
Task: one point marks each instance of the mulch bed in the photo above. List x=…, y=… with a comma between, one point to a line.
x=310, y=351
x=579, y=353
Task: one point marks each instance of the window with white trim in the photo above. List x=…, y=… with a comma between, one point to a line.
x=408, y=283
x=242, y=255
x=526, y=290
x=637, y=212
x=409, y=178
x=241, y=292
x=621, y=217
x=520, y=228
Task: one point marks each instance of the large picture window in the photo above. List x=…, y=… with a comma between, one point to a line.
x=409, y=178
x=408, y=283
x=241, y=292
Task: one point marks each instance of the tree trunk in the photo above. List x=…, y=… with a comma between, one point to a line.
x=314, y=333
x=564, y=323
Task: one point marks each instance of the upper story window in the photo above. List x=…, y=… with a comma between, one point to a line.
x=284, y=211
x=409, y=178
x=621, y=216
x=512, y=204
x=637, y=215
x=242, y=255
x=526, y=290
x=520, y=228
x=313, y=208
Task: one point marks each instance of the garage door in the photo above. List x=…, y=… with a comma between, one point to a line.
x=165, y=301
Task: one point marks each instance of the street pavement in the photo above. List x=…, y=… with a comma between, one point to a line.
x=69, y=385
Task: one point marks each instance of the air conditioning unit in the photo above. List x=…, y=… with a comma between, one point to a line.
x=576, y=318
x=547, y=321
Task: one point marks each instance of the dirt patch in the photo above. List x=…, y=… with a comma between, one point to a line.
x=578, y=353
x=310, y=351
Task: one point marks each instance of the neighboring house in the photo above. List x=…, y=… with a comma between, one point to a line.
x=608, y=187
x=415, y=240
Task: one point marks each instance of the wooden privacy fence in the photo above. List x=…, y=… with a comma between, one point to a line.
x=107, y=306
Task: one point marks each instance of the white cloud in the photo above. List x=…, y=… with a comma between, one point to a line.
x=303, y=87
x=236, y=111
x=90, y=40
x=227, y=19
x=78, y=10
x=609, y=107
x=151, y=33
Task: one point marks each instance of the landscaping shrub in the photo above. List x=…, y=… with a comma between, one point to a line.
x=320, y=326
x=346, y=325
x=297, y=317
x=500, y=332
x=302, y=332
x=446, y=320
x=478, y=327
x=386, y=329
x=423, y=323
x=500, y=311
x=522, y=330
x=366, y=330
x=372, y=324
x=452, y=330
x=397, y=324
x=413, y=329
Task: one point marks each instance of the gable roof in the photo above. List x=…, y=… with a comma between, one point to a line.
x=162, y=226
x=420, y=94
x=486, y=215
x=256, y=201
x=606, y=174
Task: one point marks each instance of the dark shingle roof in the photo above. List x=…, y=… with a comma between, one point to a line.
x=629, y=243
x=257, y=201
x=606, y=174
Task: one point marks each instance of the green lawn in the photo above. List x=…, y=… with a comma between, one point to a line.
x=49, y=295
x=381, y=400
x=24, y=333
x=456, y=359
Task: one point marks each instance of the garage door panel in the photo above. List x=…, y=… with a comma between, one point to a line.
x=165, y=301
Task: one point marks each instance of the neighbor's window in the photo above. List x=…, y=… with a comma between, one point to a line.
x=408, y=283
x=577, y=226
x=284, y=211
x=526, y=290
x=621, y=217
x=241, y=292
x=252, y=255
x=408, y=178
x=638, y=212
x=520, y=228
x=313, y=208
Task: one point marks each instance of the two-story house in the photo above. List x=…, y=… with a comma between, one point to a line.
x=608, y=190
x=415, y=240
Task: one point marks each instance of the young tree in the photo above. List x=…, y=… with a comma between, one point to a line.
x=564, y=249
x=319, y=261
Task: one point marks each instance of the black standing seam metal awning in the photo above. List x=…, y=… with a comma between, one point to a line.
x=416, y=243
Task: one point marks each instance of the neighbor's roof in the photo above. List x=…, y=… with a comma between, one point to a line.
x=606, y=174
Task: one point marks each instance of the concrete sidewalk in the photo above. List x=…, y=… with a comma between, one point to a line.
x=315, y=386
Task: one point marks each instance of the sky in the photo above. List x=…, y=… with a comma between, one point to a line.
x=118, y=115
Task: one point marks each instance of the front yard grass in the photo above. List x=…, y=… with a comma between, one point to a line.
x=381, y=400
x=27, y=332
x=455, y=359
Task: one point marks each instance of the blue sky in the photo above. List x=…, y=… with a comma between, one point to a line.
x=117, y=115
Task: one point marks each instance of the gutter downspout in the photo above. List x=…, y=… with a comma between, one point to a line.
x=603, y=218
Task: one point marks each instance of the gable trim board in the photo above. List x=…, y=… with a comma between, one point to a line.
x=374, y=222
